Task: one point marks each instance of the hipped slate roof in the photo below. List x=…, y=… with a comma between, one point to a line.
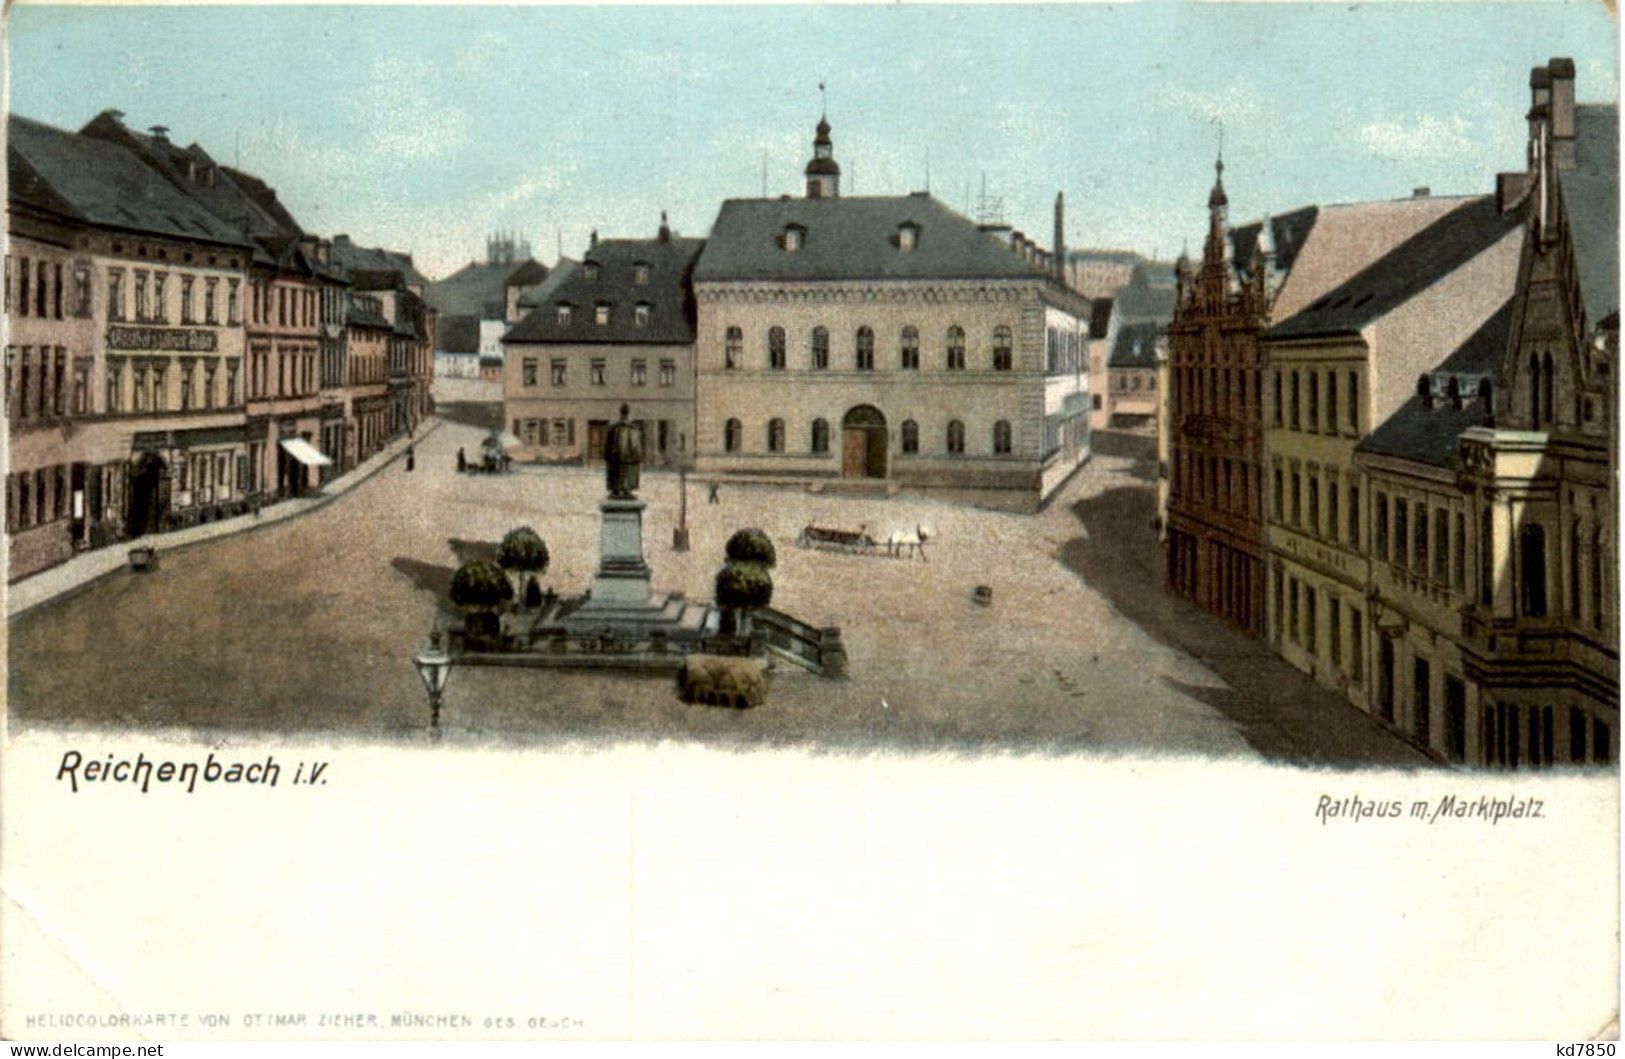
x=562, y=270
x=1135, y=346
x=1403, y=272
x=668, y=295
x=853, y=238
x=101, y=183
x=1430, y=435
x=1591, y=195
x=347, y=255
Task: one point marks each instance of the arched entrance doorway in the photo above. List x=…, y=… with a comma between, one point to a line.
x=863, y=443
x=149, y=494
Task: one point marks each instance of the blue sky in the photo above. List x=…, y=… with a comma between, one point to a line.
x=425, y=127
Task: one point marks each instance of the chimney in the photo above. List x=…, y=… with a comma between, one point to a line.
x=1424, y=390
x=160, y=133
x=665, y=229
x=1561, y=72
x=1059, y=245
x=592, y=239
x=1510, y=189
x=1421, y=192
x=1540, y=101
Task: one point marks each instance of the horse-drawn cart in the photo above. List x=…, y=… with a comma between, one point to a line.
x=856, y=542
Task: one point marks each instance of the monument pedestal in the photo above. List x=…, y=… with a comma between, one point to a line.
x=623, y=573
x=621, y=601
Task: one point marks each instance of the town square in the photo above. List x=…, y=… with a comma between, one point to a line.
x=1316, y=468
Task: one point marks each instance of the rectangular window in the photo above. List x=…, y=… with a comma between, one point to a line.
x=81, y=386
x=1458, y=573
x=1334, y=630
x=1280, y=497
x=56, y=290
x=1331, y=402
x=558, y=371
x=601, y=315
x=115, y=294
x=640, y=373
x=1294, y=630
x=1354, y=517
x=532, y=371
x=596, y=373
x=1295, y=402
x=668, y=372
x=1297, y=499
x=640, y=315
x=1422, y=701
x=1356, y=644
x=1421, y=556
x=231, y=303
x=160, y=304
x=115, y=386
x=1314, y=503
x=140, y=390
x=141, y=296
x=186, y=387
x=1354, y=402
x=1280, y=411
x=1402, y=535
x=1312, y=380
x=187, y=283
x=1441, y=547
x=24, y=272
x=1310, y=626
x=1333, y=524
x=81, y=291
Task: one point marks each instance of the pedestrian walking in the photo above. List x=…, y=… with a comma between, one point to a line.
x=462, y=461
x=411, y=457
x=711, y=496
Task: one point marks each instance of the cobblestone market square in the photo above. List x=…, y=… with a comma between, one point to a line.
x=308, y=626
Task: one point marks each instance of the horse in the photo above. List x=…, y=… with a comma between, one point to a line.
x=911, y=540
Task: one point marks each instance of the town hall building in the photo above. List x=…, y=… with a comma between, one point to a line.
x=886, y=340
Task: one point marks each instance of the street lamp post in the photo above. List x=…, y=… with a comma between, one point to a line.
x=679, y=536
x=434, y=666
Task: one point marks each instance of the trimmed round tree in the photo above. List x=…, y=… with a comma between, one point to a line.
x=741, y=588
x=523, y=553
x=479, y=589
x=752, y=546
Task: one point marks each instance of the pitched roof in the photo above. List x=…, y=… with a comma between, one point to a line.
x=1402, y=272
x=1426, y=435
x=1429, y=434
x=563, y=268
x=1591, y=196
x=1288, y=232
x=1135, y=345
x=667, y=293
x=476, y=289
x=1143, y=301
x=348, y=255
x=853, y=238
x=529, y=274
x=102, y=183
x=458, y=333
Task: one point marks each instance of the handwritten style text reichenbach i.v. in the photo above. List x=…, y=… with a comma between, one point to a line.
x=143, y=771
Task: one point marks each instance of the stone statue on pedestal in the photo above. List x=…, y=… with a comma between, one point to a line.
x=623, y=455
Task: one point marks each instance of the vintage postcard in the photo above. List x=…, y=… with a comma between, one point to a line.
x=839, y=521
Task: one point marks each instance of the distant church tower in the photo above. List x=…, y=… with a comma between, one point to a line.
x=823, y=175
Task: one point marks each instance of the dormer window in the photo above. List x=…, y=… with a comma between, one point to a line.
x=564, y=314
x=640, y=314
x=601, y=314
x=589, y=271
x=795, y=237
x=908, y=236
x=640, y=274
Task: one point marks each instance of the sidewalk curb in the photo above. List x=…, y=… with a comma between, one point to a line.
x=319, y=499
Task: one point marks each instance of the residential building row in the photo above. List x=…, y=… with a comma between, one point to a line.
x=881, y=340
x=178, y=349
x=1391, y=446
